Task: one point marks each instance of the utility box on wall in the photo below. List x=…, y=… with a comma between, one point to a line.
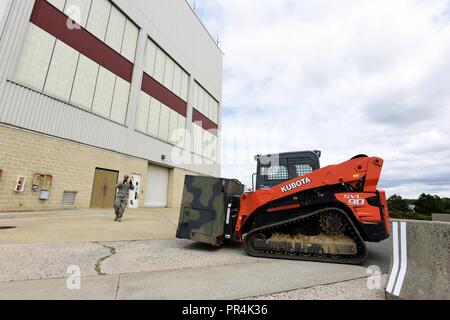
x=44, y=195
x=45, y=189
x=47, y=182
x=42, y=183
x=20, y=184
x=37, y=182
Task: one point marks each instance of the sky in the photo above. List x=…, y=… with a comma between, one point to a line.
x=345, y=77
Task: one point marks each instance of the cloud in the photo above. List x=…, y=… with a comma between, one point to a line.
x=345, y=77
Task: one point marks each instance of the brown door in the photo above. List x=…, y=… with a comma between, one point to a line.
x=104, y=189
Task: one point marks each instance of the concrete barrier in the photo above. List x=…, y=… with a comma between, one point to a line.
x=442, y=217
x=420, y=261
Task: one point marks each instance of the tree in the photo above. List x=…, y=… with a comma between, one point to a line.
x=428, y=204
x=446, y=205
x=397, y=204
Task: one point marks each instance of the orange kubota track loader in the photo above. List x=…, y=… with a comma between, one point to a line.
x=298, y=211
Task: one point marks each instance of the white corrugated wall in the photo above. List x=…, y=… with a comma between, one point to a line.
x=24, y=108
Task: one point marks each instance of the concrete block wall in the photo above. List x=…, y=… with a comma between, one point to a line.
x=176, y=186
x=71, y=164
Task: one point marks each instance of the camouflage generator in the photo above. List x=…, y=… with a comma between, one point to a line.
x=208, y=213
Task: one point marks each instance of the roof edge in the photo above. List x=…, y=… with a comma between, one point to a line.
x=204, y=27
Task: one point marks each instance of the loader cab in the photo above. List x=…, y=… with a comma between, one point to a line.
x=274, y=169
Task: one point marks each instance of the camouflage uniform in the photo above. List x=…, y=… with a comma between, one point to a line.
x=122, y=198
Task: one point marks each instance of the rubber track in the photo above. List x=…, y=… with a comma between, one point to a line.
x=355, y=235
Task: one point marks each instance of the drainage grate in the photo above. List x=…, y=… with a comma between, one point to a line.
x=69, y=198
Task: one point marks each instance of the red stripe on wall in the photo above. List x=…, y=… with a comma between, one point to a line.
x=164, y=95
x=206, y=123
x=53, y=21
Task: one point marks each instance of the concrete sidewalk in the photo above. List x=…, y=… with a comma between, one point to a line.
x=141, y=259
x=233, y=281
x=87, y=226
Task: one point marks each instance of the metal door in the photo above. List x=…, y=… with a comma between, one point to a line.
x=133, y=202
x=156, y=187
x=104, y=189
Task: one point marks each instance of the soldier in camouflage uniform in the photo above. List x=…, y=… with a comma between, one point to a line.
x=123, y=195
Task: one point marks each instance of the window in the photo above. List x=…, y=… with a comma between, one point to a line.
x=168, y=74
x=142, y=113
x=104, y=93
x=182, y=131
x=120, y=100
x=302, y=169
x=116, y=27
x=276, y=173
x=159, y=121
x=48, y=65
x=160, y=65
x=215, y=150
x=208, y=100
x=84, y=84
x=58, y=4
x=34, y=60
x=216, y=112
x=184, y=86
x=173, y=127
x=204, y=143
x=164, y=122
x=201, y=100
x=208, y=145
x=198, y=139
x=130, y=39
x=150, y=58
x=177, y=78
x=153, y=121
x=196, y=94
x=205, y=103
x=61, y=72
x=110, y=25
x=98, y=18
x=211, y=110
x=77, y=10
x=166, y=71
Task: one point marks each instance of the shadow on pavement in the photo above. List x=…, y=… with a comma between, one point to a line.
x=379, y=255
x=7, y=228
x=196, y=246
x=378, y=252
